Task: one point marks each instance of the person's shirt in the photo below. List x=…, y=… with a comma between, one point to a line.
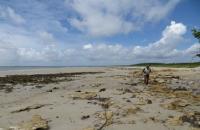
x=146, y=71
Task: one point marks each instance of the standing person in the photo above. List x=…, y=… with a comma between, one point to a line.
x=146, y=73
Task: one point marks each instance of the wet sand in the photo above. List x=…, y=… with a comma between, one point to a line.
x=109, y=98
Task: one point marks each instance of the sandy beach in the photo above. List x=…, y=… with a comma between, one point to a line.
x=100, y=98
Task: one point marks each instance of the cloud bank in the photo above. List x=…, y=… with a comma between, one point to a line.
x=110, y=17
x=68, y=32
x=164, y=49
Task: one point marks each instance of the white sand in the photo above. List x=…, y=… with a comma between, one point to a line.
x=64, y=113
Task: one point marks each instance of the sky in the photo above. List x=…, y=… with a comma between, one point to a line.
x=97, y=32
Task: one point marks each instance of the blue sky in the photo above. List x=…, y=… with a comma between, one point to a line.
x=100, y=32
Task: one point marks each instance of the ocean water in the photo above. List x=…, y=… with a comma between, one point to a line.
x=6, y=68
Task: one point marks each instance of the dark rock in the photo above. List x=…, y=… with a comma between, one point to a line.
x=91, y=102
x=85, y=117
x=180, y=89
x=102, y=99
x=149, y=101
x=36, y=123
x=28, y=108
x=41, y=78
x=196, y=92
x=127, y=91
x=39, y=86
x=8, y=89
x=54, y=88
x=128, y=100
x=49, y=90
x=192, y=118
x=133, y=96
x=102, y=90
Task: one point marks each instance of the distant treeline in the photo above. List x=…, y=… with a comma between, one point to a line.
x=176, y=65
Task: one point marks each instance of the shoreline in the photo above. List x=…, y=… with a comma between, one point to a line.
x=48, y=70
x=77, y=99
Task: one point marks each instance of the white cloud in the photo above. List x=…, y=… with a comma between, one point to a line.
x=154, y=10
x=165, y=49
x=193, y=50
x=21, y=47
x=41, y=48
x=175, y=29
x=87, y=46
x=10, y=14
x=104, y=52
x=110, y=17
x=8, y=54
x=47, y=38
x=166, y=46
x=48, y=54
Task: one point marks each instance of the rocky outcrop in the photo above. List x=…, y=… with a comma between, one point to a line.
x=83, y=95
x=36, y=123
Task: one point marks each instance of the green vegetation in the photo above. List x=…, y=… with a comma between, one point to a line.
x=196, y=34
x=175, y=65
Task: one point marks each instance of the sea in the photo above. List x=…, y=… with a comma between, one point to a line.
x=8, y=68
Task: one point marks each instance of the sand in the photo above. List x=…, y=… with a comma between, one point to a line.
x=81, y=103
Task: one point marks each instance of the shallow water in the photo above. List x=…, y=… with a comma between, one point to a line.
x=5, y=68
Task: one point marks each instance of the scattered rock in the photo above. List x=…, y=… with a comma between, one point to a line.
x=160, y=80
x=39, y=86
x=131, y=84
x=193, y=118
x=177, y=120
x=172, y=77
x=54, y=88
x=159, y=89
x=41, y=78
x=132, y=110
x=127, y=111
x=153, y=119
x=8, y=89
x=143, y=101
x=149, y=101
x=107, y=115
x=96, y=85
x=180, y=89
x=36, y=123
x=84, y=95
x=126, y=90
x=102, y=90
x=133, y=96
x=85, y=117
x=89, y=128
x=181, y=94
x=102, y=99
x=128, y=100
x=28, y=108
x=49, y=90
x=92, y=102
x=196, y=92
x=174, y=105
x=106, y=105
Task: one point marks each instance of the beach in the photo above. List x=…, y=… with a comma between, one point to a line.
x=95, y=98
